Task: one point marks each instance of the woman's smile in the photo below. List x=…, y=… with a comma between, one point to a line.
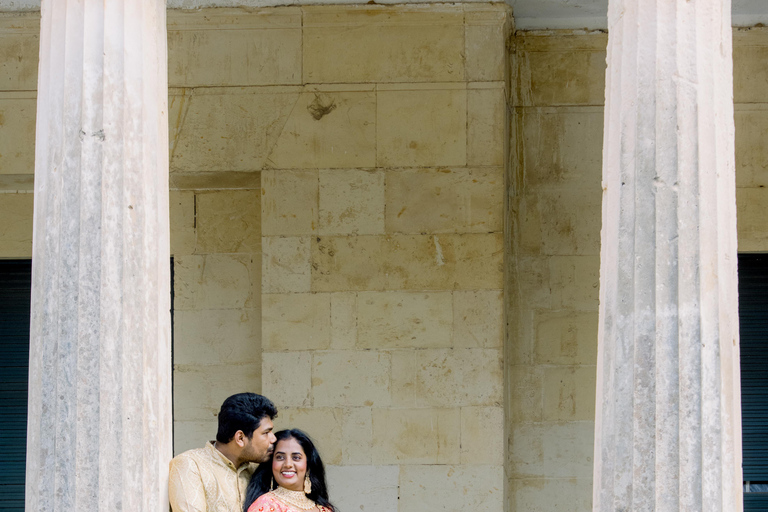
x=289, y=464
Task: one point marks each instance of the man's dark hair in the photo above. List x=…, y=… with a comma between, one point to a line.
x=243, y=411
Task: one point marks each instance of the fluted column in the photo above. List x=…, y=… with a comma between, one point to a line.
x=99, y=430
x=668, y=426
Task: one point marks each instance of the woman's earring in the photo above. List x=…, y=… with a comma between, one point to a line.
x=307, y=485
x=272, y=484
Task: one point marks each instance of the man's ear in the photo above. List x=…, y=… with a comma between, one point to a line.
x=240, y=438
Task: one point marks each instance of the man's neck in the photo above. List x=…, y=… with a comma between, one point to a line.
x=227, y=451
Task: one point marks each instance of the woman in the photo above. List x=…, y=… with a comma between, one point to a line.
x=292, y=481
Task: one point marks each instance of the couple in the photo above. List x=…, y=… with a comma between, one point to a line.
x=223, y=476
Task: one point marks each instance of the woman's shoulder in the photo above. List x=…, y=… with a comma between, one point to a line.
x=267, y=503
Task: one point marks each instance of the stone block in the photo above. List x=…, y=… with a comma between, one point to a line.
x=193, y=434
x=447, y=377
x=198, y=391
x=482, y=435
x=486, y=31
x=533, y=280
x=216, y=281
x=519, y=340
x=486, y=123
x=17, y=211
x=296, y=321
x=351, y=202
x=750, y=50
x=527, y=223
x=285, y=264
x=566, y=338
x=226, y=128
x=289, y=203
x=287, y=378
x=478, y=319
x=216, y=336
x=182, y=218
x=569, y=393
x=526, y=395
x=330, y=127
x=351, y=378
x=574, y=282
x=20, y=40
x=570, y=220
x=552, y=450
x=215, y=180
x=475, y=488
x=562, y=146
x=404, y=320
x=751, y=151
x=408, y=262
x=421, y=125
x=357, y=435
x=228, y=221
x=219, y=47
x=445, y=200
x=322, y=424
x=343, y=320
x=17, y=132
x=364, y=488
x=378, y=43
x=416, y=436
x=552, y=494
x=751, y=205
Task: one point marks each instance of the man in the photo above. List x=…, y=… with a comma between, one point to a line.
x=214, y=478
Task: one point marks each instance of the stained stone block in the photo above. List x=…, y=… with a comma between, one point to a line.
x=565, y=337
x=376, y=43
x=574, y=282
x=351, y=202
x=17, y=132
x=296, y=321
x=482, y=435
x=416, y=436
x=446, y=377
x=285, y=264
x=244, y=124
x=20, y=40
x=216, y=336
x=351, y=378
x=357, y=435
x=570, y=220
x=751, y=151
x=289, y=203
x=182, y=217
x=477, y=319
x=421, y=125
x=324, y=426
x=225, y=47
x=410, y=262
x=193, y=434
x=16, y=210
x=552, y=450
x=343, y=320
x=534, y=275
x=228, y=221
x=526, y=400
x=446, y=487
x=329, y=127
x=364, y=488
x=750, y=49
x=552, y=494
x=528, y=224
x=286, y=378
x=198, y=391
x=486, y=30
x=562, y=146
x=404, y=320
x=215, y=281
x=569, y=393
x=752, y=203
x=445, y=200
x=486, y=123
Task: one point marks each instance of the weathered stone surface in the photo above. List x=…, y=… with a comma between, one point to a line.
x=352, y=202
x=17, y=132
x=408, y=117
x=289, y=203
x=286, y=378
x=357, y=433
x=324, y=426
x=188, y=434
x=486, y=123
x=364, y=488
x=285, y=264
x=487, y=27
x=351, y=378
x=228, y=221
x=569, y=393
x=343, y=320
x=574, y=282
x=482, y=435
x=215, y=281
x=445, y=487
x=552, y=494
x=750, y=49
x=445, y=200
x=182, y=217
x=16, y=210
x=200, y=390
x=416, y=436
x=552, y=450
x=526, y=400
x=753, y=230
x=216, y=336
x=296, y=321
x=404, y=320
x=751, y=151
x=570, y=221
x=477, y=319
x=20, y=40
x=565, y=337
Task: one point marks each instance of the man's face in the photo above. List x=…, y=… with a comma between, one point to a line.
x=259, y=447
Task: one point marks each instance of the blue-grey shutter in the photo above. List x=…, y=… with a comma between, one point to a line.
x=15, y=285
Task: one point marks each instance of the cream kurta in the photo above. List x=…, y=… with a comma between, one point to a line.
x=204, y=480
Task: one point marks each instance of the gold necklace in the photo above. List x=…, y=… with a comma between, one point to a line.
x=295, y=498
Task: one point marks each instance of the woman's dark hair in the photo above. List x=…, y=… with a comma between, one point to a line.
x=243, y=411
x=262, y=478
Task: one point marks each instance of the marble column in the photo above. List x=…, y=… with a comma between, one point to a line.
x=668, y=426
x=99, y=428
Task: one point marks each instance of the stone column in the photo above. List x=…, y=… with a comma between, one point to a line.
x=99, y=428
x=668, y=425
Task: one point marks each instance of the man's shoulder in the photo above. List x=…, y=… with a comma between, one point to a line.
x=193, y=456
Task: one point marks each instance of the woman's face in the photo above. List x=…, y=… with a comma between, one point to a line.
x=289, y=464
